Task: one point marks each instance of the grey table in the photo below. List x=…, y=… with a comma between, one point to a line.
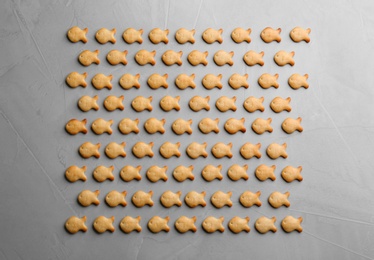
x=335, y=149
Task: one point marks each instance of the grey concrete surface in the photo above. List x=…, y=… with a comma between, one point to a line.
x=336, y=148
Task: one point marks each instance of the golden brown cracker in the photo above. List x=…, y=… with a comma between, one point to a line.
x=299, y=34
x=75, y=79
x=198, y=103
x=290, y=173
x=74, y=173
x=279, y=104
x=156, y=173
x=128, y=81
x=168, y=103
x=278, y=199
x=86, y=57
x=252, y=104
x=264, y=225
x=157, y=224
x=181, y=126
x=194, y=199
x=264, y=172
x=237, y=224
x=168, y=150
x=283, y=58
x=212, y=224
x=102, y=173
x=141, y=198
x=220, y=199
x=275, y=150
x=237, y=172
x=153, y=125
x=169, y=199
x=252, y=58
x=248, y=199
x=105, y=35
x=260, y=125
x=211, y=172
x=102, y=224
x=171, y=57
x=184, y=81
x=141, y=103
x=212, y=35
x=237, y=81
x=182, y=173
x=195, y=150
x=100, y=81
x=76, y=34
x=233, y=125
x=129, y=224
x=75, y=224
x=183, y=36
x=129, y=173
x=222, y=57
x=156, y=81
x=196, y=57
x=291, y=125
x=249, y=150
x=290, y=224
x=141, y=149
x=297, y=81
x=267, y=80
x=220, y=150
x=184, y=224
x=86, y=103
x=131, y=35
x=128, y=125
x=87, y=197
x=240, y=35
x=88, y=149
x=157, y=35
x=112, y=103
x=114, y=150
x=100, y=126
x=144, y=57
x=75, y=126
x=207, y=125
x=115, y=57
x=224, y=103
x=115, y=198
x=269, y=34
x=211, y=81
